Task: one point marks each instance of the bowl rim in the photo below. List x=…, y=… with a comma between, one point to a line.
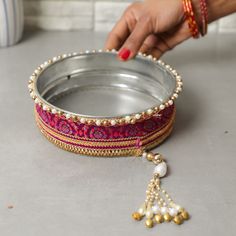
x=97, y=120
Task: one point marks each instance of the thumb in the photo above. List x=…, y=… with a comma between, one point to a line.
x=134, y=42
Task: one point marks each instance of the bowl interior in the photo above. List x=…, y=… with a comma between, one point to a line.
x=99, y=85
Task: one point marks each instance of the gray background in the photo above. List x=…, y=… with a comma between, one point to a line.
x=97, y=15
x=54, y=192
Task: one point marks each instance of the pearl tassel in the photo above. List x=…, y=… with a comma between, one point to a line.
x=159, y=207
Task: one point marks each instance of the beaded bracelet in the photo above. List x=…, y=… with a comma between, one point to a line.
x=129, y=131
x=204, y=16
x=190, y=16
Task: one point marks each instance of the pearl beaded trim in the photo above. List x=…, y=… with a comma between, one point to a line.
x=130, y=119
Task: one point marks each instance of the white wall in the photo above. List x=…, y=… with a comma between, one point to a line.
x=98, y=15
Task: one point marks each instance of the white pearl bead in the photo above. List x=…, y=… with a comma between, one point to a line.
x=36, y=100
x=141, y=211
x=144, y=154
x=149, y=111
x=164, y=210
x=137, y=116
x=30, y=86
x=162, y=107
x=179, y=89
x=149, y=214
x=68, y=116
x=98, y=122
x=178, y=207
x=127, y=118
x=156, y=209
x=175, y=95
x=113, y=122
x=178, y=78
x=54, y=111
x=170, y=102
x=82, y=120
x=173, y=211
x=45, y=107
x=161, y=169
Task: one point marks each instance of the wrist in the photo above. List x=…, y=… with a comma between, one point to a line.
x=216, y=9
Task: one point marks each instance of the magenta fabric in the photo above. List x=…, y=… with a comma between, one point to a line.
x=74, y=129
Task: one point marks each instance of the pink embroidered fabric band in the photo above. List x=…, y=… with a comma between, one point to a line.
x=105, y=141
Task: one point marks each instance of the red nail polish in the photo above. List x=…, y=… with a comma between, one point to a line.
x=124, y=54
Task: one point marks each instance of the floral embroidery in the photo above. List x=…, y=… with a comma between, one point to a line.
x=64, y=127
x=97, y=133
x=139, y=129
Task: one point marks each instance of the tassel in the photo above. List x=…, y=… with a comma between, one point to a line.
x=159, y=207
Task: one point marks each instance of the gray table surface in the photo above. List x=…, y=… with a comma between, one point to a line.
x=54, y=192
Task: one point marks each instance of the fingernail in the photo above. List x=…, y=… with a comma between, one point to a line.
x=124, y=54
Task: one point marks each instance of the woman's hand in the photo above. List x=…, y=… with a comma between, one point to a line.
x=152, y=27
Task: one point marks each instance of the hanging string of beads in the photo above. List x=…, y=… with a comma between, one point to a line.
x=158, y=206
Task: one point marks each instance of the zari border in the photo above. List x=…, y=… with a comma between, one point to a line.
x=105, y=148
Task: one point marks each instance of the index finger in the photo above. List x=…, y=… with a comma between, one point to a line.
x=118, y=35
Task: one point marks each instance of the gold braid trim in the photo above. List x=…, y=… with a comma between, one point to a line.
x=157, y=138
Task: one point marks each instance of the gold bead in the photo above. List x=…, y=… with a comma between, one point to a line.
x=167, y=217
x=105, y=122
x=121, y=121
x=178, y=220
x=185, y=215
x=149, y=223
x=90, y=122
x=60, y=113
x=181, y=217
x=132, y=121
x=150, y=156
x=74, y=118
x=137, y=216
x=159, y=218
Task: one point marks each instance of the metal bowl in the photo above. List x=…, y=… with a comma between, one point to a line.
x=99, y=85
x=92, y=103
